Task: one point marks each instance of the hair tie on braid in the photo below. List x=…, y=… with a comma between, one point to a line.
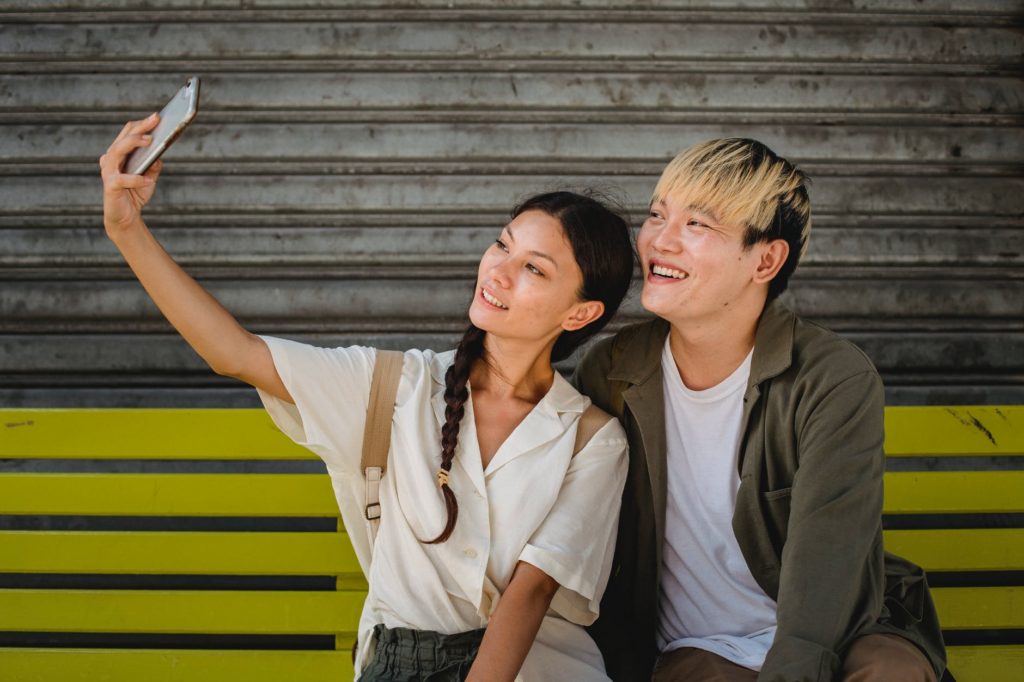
x=456, y=393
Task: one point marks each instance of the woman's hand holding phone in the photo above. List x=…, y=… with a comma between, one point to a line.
x=124, y=194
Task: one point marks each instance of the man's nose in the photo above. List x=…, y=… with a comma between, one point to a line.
x=667, y=239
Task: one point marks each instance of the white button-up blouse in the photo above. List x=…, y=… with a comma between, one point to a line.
x=534, y=502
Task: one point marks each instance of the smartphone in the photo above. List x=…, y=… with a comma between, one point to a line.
x=174, y=118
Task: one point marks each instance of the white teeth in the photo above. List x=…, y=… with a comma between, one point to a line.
x=668, y=272
x=493, y=301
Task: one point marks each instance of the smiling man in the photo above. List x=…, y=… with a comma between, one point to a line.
x=750, y=540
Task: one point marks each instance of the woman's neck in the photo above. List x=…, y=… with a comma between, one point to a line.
x=510, y=369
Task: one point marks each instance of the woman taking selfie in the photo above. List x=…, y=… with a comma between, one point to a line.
x=495, y=539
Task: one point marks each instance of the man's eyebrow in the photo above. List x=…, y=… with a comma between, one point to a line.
x=706, y=212
x=694, y=209
x=538, y=254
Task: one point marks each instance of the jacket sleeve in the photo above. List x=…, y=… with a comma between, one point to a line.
x=832, y=569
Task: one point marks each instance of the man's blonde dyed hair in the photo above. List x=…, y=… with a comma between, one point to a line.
x=738, y=181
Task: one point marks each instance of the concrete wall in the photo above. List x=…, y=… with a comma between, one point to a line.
x=352, y=159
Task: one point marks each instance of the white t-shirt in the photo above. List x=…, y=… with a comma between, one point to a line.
x=708, y=597
x=534, y=502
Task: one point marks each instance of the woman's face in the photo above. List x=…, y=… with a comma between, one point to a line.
x=528, y=282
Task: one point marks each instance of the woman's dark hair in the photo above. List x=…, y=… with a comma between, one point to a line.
x=603, y=247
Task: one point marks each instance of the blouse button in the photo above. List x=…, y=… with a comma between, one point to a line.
x=471, y=553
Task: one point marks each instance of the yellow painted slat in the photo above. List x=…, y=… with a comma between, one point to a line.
x=311, y=494
x=968, y=664
x=966, y=492
x=977, y=608
x=139, y=552
x=961, y=430
x=156, y=665
x=180, y=611
x=273, y=553
x=974, y=549
x=168, y=494
x=144, y=434
x=986, y=663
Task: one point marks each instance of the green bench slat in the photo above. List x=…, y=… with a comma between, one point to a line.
x=276, y=553
x=980, y=608
x=954, y=431
x=311, y=495
x=144, y=434
x=968, y=663
x=246, y=612
x=954, y=492
x=168, y=494
x=139, y=433
x=974, y=549
x=156, y=665
x=180, y=611
x=182, y=553
x=1003, y=663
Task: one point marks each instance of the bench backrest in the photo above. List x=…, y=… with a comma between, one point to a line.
x=182, y=543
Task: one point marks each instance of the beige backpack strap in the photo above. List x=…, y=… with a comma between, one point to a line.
x=387, y=372
x=591, y=421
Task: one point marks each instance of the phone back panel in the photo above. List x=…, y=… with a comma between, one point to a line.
x=174, y=117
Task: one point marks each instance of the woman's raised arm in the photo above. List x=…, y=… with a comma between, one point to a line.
x=204, y=323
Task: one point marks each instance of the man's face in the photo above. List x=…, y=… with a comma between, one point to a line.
x=695, y=267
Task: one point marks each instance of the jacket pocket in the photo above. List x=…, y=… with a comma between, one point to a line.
x=781, y=493
x=775, y=508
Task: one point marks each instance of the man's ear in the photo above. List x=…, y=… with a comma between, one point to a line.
x=773, y=257
x=583, y=314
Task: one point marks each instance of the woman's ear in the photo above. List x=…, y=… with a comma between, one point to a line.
x=583, y=314
x=773, y=257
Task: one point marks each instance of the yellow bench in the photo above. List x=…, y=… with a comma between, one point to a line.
x=190, y=627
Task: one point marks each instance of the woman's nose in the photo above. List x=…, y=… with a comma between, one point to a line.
x=500, y=274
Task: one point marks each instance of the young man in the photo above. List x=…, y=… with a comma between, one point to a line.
x=750, y=540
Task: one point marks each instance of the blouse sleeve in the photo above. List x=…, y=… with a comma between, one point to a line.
x=575, y=542
x=331, y=390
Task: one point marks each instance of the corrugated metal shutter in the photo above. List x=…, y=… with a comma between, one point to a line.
x=352, y=159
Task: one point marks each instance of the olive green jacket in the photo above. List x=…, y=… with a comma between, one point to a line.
x=808, y=510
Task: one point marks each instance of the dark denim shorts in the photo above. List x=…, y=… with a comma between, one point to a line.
x=404, y=655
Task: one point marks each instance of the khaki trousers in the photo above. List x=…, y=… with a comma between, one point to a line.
x=873, y=658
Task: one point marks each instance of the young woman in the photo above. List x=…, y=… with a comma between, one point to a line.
x=495, y=541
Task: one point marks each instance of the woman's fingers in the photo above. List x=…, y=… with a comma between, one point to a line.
x=154, y=171
x=128, y=181
x=142, y=125
x=129, y=143
x=132, y=136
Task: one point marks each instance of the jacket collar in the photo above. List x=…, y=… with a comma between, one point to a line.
x=638, y=363
x=773, y=348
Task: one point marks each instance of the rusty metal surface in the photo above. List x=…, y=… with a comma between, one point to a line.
x=351, y=161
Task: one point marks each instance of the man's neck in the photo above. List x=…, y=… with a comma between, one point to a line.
x=707, y=352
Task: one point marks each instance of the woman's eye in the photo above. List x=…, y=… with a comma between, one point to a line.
x=533, y=269
x=501, y=245
x=697, y=223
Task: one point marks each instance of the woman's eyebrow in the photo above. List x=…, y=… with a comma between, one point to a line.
x=538, y=254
